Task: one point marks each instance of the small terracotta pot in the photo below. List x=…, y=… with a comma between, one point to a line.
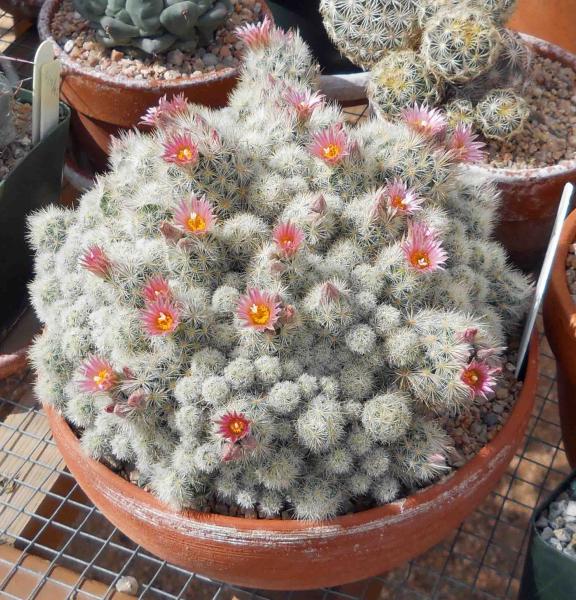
x=530, y=197
x=299, y=555
x=560, y=325
x=105, y=105
x=552, y=20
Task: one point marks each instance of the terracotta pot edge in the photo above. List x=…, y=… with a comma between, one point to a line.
x=490, y=452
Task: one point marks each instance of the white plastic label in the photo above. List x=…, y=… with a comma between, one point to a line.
x=45, y=91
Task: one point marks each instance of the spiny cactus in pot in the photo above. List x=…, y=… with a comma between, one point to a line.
x=437, y=52
x=266, y=307
x=155, y=26
x=7, y=128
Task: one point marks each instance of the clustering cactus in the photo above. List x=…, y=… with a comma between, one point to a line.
x=266, y=307
x=437, y=52
x=7, y=128
x=155, y=26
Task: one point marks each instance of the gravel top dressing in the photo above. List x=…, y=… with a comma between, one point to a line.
x=12, y=154
x=557, y=524
x=74, y=35
x=549, y=136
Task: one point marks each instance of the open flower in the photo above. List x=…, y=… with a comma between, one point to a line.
x=304, y=103
x=479, y=377
x=194, y=215
x=464, y=145
x=180, y=149
x=98, y=375
x=156, y=288
x=95, y=260
x=425, y=121
x=331, y=145
x=399, y=198
x=160, y=317
x=256, y=35
x=288, y=238
x=422, y=250
x=165, y=111
x=233, y=426
x=259, y=310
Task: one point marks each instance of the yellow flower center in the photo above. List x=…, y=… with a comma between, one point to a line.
x=184, y=154
x=420, y=259
x=237, y=427
x=397, y=201
x=259, y=314
x=195, y=222
x=102, y=378
x=471, y=377
x=287, y=242
x=164, y=321
x=331, y=151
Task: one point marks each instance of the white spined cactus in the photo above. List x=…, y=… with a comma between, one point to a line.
x=281, y=351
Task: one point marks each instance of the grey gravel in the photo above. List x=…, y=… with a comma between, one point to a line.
x=127, y=585
x=557, y=524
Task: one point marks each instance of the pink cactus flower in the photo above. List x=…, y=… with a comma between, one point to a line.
x=181, y=150
x=99, y=376
x=288, y=238
x=95, y=260
x=160, y=317
x=464, y=145
x=399, y=198
x=479, y=377
x=259, y=310
x=235, y=451
x=256, y=35
x=469, y=334
x=194, y=216
x=304, y=103
x=156, y=288
x=233, y=426
x=329, y=292
x=165, y=111
x=425, y=121
x=422, y=250
x=319, y=206
x=170, y=232
x=331, y=145
x=288, y=314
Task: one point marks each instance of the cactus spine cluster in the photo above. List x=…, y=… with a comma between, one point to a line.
x=155, y=26
x=267, y=307
x=434, y=52
x=7, y=128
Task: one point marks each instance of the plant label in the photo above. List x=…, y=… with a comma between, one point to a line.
x=45, y=91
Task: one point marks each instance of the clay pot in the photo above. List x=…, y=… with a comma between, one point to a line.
x=560, y=325
x=10, y=364
x=104, y=105
x=299, y=555
x=552, y=20
x=530, y=197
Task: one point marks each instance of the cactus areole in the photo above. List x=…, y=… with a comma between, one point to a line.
x=264, y=307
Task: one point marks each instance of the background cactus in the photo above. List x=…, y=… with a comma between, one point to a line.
x=155, y=26
x=434, y=52
x=7, y=128
x=263, y=306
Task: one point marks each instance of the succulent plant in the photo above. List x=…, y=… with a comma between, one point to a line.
x=266, y=307
x=433, y=52
x=155, y=26
x=7, y=129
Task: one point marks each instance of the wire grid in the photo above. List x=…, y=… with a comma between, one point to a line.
x=482, y=560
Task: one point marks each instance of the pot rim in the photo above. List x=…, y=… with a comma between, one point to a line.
x=255, y=530
x=510, y=175
x=559, y=279
x=72, y=67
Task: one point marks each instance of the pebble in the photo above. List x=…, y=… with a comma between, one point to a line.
x=557, y=524
x=127, y=585
x=77, y=38
x=549, y=136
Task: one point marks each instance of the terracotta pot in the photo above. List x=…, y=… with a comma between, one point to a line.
x=560, y=325
x=298, y=555
x=552, y=20
x=530, y=197
x=105, y=105
x=10, y=364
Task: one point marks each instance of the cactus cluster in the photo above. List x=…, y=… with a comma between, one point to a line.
x=155, y=26
x=267, y=307
x=437, y=52
x=7, y=128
